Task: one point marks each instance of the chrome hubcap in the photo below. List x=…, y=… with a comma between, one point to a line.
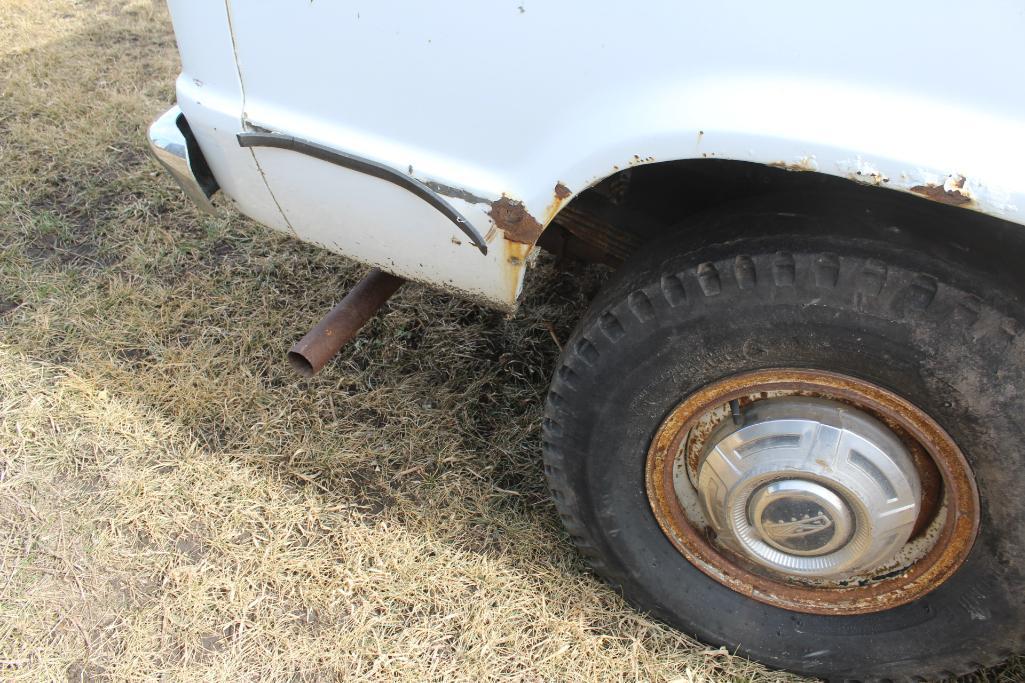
x=809, y=487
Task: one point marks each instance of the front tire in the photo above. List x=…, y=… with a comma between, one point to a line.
x=676, y=319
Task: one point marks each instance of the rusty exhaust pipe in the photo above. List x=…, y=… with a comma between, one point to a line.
x=343, y=322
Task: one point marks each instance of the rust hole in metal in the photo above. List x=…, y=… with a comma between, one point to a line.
x=945, y=474
x=513, y=219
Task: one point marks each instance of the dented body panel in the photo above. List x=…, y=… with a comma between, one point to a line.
x=509, y=109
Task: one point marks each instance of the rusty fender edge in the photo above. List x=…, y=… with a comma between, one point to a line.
x=517, y=224
x=513, y=219
x=371, y=168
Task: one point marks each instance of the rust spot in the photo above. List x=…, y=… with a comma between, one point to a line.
x=515, y=256
x=512, y=218
x=561, y=194
x=637, y=160
x=951, y=192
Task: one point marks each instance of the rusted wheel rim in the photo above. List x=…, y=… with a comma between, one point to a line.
x=952, y=515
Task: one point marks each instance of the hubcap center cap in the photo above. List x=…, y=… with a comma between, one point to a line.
x=800, y=517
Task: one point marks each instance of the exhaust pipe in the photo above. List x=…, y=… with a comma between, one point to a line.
x=345, y=320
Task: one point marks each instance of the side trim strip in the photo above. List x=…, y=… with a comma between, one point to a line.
x=369, y=167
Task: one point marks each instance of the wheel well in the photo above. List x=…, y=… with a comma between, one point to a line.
x=614, y=218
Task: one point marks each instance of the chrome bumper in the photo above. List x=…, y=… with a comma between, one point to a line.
x=172, y=143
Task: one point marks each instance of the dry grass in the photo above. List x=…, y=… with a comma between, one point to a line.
x=176, y=504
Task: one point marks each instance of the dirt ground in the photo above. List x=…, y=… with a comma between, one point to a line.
x=175, y=503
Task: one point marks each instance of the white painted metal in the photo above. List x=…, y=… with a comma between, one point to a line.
x=210, y=96
x=513, y=96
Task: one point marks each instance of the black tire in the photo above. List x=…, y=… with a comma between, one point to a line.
x=676, y=318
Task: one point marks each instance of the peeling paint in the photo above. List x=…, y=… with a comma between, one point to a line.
x=513, y=219
x=803, y=164
x=953, y=191
x=455, y=192
x=863, y=172
x=869, y=178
